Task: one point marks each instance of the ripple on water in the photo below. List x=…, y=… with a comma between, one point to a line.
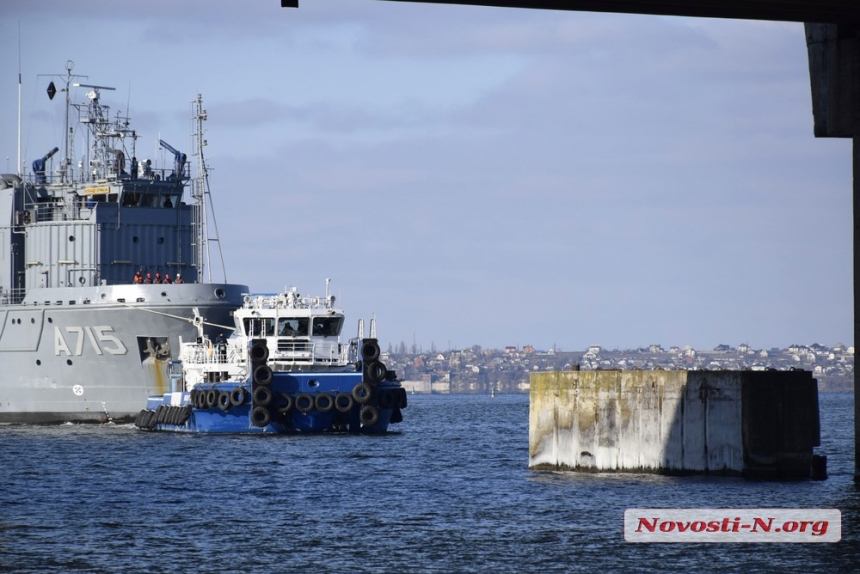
x=448, y=492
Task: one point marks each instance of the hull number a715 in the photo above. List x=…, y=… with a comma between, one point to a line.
x=98, y=338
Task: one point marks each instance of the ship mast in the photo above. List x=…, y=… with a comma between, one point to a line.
x=201, y=254
x=68, y=135
x=18, y=168
x=201, y=196
x=69, y=143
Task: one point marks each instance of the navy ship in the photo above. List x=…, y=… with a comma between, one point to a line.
x=103, y=268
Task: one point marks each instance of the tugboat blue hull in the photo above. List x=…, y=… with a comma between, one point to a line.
x=291, y=403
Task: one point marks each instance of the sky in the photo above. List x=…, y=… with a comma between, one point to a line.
x=481, y=176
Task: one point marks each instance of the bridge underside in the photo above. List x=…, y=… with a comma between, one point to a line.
x=833, y=43
x=835, y=11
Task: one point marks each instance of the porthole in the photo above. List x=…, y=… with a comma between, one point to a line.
x=135, y=239
x=71, y=237
x=50, y=320
x=32, y=320
x=38, y=362
x=220, y=293
x=160, y=240
x=69, y=362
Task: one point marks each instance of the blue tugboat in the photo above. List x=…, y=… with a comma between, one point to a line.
x=284, y=369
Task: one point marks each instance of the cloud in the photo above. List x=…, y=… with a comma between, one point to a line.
x=591, y=178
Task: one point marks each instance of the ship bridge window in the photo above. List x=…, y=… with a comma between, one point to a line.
x=293, y=327
x=263, y=327
x=166, y=200
x=130, y=199
x=101, y=198
x=327, y=326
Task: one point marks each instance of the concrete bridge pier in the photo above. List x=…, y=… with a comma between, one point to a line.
x=834, y=73
x=752, y=423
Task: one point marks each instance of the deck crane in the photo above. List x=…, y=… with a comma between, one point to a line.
x=179, y=160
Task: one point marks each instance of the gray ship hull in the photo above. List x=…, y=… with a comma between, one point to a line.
x=95, y=354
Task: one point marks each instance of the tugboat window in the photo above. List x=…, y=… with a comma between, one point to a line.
x=293, y=327
x=327, y=326
x=264, y=327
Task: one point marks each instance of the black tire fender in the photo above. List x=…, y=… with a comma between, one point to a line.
x=211, y=398
x=369, y=415
x=237, y=396
x=375, y=372
x=263, y=375
x=305, y=403
x=324, y=402
x=224, y=400
x=260, y=416
x=285, y=403
x=262, y=396
x=362, y=393
x=369, y=350
x=344, y=402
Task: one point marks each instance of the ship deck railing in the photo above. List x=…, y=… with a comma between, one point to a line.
x=110, y=175
x=295, y=353
x=12, y=296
